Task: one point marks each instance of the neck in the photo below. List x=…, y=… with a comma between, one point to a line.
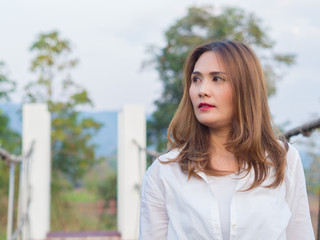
x=221, y=158
x=218, y=139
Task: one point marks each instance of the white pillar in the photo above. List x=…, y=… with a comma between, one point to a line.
x=36, y=127
x=131, y=168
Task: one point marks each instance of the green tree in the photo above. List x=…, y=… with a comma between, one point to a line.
x=312, y=171
x=9, y=140
x=72, y=150
x=199, y=26
x=7, y=85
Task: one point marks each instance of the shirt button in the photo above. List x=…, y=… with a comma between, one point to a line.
x=233, y=225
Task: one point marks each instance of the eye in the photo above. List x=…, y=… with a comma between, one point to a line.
x=217, y=78
x=195, y=79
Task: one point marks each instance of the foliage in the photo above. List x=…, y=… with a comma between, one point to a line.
x=10, y=141
x=7, y=85
x=313, y=176
x=108, y=188
x=199, y=26
x=313, y=170
x=102, y=180
x=79, y=196
x=72, y=211
x=87, y=208
x=72, y=151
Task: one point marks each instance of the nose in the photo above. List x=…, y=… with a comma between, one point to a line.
x=204, y=90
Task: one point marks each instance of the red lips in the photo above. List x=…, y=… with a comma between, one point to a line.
x=205, y=105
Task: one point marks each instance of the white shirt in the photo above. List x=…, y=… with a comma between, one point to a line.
x=173, y=207
x=223, y=188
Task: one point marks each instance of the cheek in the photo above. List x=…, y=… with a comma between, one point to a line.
x=227, y=95
x=192, y=95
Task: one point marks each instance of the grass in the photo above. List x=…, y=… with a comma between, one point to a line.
x=80, y=210
x=79, y=196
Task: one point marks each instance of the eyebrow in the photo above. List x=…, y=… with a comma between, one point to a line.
x=211, y=73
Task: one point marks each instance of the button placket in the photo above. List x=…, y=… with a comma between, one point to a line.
x=233, y=217
x=215, y=215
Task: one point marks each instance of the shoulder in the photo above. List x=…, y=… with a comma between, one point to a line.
x=160, y=174
x=293, y=163
x=162, y=166
x=172, y=154
x=293, y=157
x=163, y=161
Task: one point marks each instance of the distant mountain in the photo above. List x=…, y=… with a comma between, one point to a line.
x=14, y=113
x=106, y=139
x=306, y=158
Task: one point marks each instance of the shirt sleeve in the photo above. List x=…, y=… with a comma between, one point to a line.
x=153, y=213
x=300, y=226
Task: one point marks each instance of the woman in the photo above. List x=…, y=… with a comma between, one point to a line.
x=226, y=176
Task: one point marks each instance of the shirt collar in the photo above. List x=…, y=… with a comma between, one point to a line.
x=243, y=178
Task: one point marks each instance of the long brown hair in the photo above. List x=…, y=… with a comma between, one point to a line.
x=252, y=139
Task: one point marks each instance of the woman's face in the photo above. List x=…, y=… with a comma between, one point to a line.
x=211, y=93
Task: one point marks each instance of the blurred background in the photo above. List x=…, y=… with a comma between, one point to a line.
x=87, y=59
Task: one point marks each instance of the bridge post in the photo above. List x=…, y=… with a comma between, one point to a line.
x=36, y=126
x=131, y=168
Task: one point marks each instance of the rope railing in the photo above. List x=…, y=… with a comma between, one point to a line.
x=149, y=152
x=24, y=188
x=305, y=129
x=8, y=158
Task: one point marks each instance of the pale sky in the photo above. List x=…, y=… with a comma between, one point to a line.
x=110, y=39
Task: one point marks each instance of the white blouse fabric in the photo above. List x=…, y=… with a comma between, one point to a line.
x=174, y=208
x=223, y=188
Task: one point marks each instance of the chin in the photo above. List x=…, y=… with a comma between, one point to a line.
x=207, y=121
x=215, y=124
x=209, y=124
